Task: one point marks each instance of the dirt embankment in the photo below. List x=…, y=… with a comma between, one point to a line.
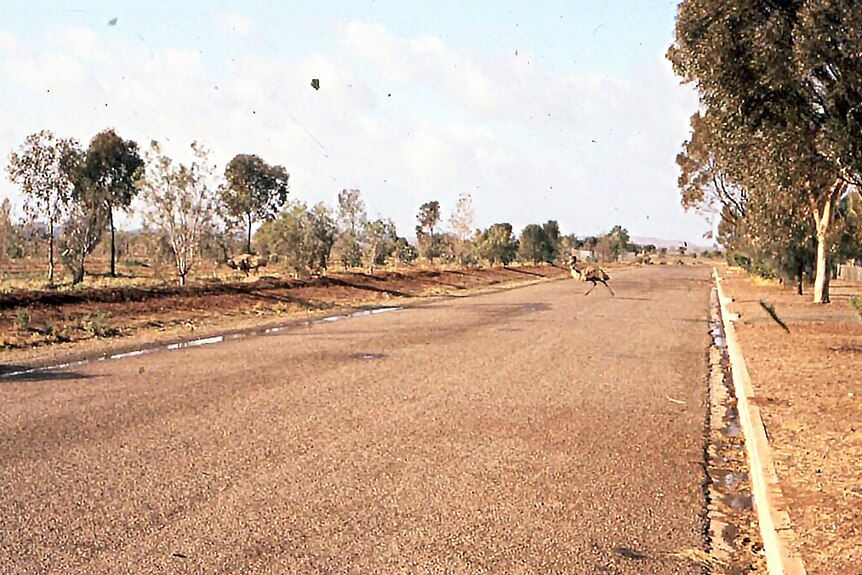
x=36, y=326
x=808, y=385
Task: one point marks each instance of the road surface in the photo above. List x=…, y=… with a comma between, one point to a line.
x=532, y=430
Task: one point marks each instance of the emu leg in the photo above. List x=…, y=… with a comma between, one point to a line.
x=609, y=288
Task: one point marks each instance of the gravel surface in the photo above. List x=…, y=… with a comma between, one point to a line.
x=526, y=431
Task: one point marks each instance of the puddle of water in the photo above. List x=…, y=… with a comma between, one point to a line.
x=129, y=354
x=729, y=533
x=737, y=501
x=367, y=356
x=728, y=478
x=629, y=553
x=196, y=342
x=360, y=313
x=384, y=310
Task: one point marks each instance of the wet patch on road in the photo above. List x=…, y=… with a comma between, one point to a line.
x=367, y=356
x=19, y=373
x=733, y=535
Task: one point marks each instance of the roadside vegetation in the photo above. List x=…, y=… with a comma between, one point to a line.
x=196, y=218
x=775, y=150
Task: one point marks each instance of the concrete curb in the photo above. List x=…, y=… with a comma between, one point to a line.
x=772, y=516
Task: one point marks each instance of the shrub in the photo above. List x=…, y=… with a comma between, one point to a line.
x=22, y=320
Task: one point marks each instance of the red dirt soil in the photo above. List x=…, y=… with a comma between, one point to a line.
x=808, y=384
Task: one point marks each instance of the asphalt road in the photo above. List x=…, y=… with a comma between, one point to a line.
x=532, y=430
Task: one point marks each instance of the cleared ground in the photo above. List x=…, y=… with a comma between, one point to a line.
x=526, y=431
x=808, y=386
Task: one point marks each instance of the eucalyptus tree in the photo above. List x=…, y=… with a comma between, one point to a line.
x=302, y=237
x=532, y=246
x=429, y=220
x=113, y=166
x=7, y=230
x=704, y=185
x=253, y=190
x=618, y=241
x=497, y=244
x=180, y=201
x=782, y=90
x=379, y=242
x=352, y=218
x=552, y=241
x=41, y=168
x=87, y=215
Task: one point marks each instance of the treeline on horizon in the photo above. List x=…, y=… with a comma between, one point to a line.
x=191, y=211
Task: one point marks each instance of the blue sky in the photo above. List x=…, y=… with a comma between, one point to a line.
x=539, y=110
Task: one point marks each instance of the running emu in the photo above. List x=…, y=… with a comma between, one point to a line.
x=586, y=273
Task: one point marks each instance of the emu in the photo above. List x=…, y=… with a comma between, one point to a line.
x=593, y=274
x=246, y=263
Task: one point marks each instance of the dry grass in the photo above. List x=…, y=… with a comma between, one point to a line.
x=698, y=557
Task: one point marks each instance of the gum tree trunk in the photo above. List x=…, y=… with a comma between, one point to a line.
x=51, y=252
x=113, y=247
x=823, y=209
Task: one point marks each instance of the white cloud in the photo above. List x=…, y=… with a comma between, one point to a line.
x=516, y=135
x=234, y=24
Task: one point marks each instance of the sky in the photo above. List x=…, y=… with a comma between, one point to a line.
x=564, y=110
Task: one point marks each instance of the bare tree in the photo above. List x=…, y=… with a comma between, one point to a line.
x=351, y=211
x=181, y=202
x=461, y=223
x=40, y=168
x=7, y=230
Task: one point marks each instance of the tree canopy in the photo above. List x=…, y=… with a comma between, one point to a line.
x=781, y=87
x=253, y=190
x=41, y=167
x=113, y=165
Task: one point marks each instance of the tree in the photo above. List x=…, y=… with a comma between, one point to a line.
x=181, y=202
x=618, y=241
x=533, y=245
x=461, y=223
x=40, y=168
x=380, y=239
x=352, y=218
x=88, y=213
x=552, y=241
x=781, y=85
x=429, y=220
x=405, y=252
x=7, y=231
x=497, y=244
x=113, y=165
x=351, y=211
x=253, y=190
x=703, y=184
x=301, y=237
